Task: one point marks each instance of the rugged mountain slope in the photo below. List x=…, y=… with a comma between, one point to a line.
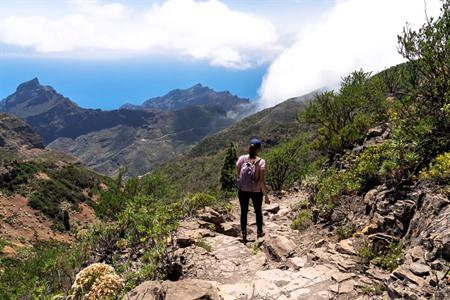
x=272, y=125
x=52, y=115
x=199, y=168
x=196, y=95
x=142, y=148
x=137, y=138
x=42, y=193
x=15, y=133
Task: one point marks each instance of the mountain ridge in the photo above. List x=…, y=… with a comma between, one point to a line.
x=109, y=140
x=195, y=95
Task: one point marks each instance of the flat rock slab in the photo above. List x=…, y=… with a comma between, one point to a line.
x=272, y=208
x=298, y=262
x=340, y=277
x=419, y=269
x=346, y=247
x=189, y=289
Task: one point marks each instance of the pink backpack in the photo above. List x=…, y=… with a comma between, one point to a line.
x=247, y=177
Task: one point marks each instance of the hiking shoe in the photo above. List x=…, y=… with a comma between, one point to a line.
x=260, y=234
x=244, y=237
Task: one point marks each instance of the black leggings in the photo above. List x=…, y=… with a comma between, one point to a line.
x=244, y=199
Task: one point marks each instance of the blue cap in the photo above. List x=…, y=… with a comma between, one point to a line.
x=255, y=141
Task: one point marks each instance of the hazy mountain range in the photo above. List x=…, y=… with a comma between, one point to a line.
x=138, y=137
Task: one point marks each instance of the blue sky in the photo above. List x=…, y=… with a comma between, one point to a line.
x=108, y=84
x=103, y=53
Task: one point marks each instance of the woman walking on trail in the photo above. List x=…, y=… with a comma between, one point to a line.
x=252, y=185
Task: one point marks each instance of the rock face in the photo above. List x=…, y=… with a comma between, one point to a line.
x=15, y=133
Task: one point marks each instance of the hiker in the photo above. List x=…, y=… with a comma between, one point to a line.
x=252, y=185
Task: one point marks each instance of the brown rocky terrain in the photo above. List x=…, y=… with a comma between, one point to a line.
x=310, y=264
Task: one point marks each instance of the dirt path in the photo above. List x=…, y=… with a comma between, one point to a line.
x=285, y=264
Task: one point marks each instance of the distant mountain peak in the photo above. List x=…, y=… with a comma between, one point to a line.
x=198, y=85
x=195, y=95
x=29, y=85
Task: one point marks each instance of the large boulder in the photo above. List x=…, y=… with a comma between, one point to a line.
x=212, y=216
x=187, y=289
x=280, y=247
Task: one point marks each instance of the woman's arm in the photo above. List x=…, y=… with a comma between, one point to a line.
x=264, y=187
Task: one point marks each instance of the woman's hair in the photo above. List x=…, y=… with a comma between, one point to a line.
x=255, y=145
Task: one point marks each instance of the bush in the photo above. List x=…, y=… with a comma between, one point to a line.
x=147, y=224
x=204, y=245
x=387, y=163
x=439, y=169
x=389, y=259
x=423, y=112
x=333, y=184
x=288, y=162
x=20, y=173
x=392, y=258
x=302, y=220
x=194, y=202
x=52, y=193
x=344, y=232
x=43, y=271
x=344, y=117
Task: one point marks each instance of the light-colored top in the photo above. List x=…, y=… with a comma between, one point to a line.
x=260, y=167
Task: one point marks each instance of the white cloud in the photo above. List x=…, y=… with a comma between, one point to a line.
x=354, y=34
x=207, y=30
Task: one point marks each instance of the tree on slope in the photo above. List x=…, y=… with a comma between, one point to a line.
x=228, y=174
x=425, y=118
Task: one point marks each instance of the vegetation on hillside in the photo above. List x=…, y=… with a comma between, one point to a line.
x=137, y=219
x=51, y=189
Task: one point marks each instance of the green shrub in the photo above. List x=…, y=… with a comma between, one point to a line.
x=365, y=252
x=302, y=220
x=52, y=193
x=147, y=224
x=389, y=259
x=113, y=200
x=333, y=184
x=344, y=232
x=384, y=163
x=194, y=202
x=21, y=173
x=392, y=258
x=423, y=112
x=41, y=272
x=344, y=117
x=288, y=162
x=374, y=290
x=255, y=247
x=439, y=169
x=204, y=245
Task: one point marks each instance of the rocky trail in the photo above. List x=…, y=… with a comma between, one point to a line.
x=285, y=264
x=384, y=243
